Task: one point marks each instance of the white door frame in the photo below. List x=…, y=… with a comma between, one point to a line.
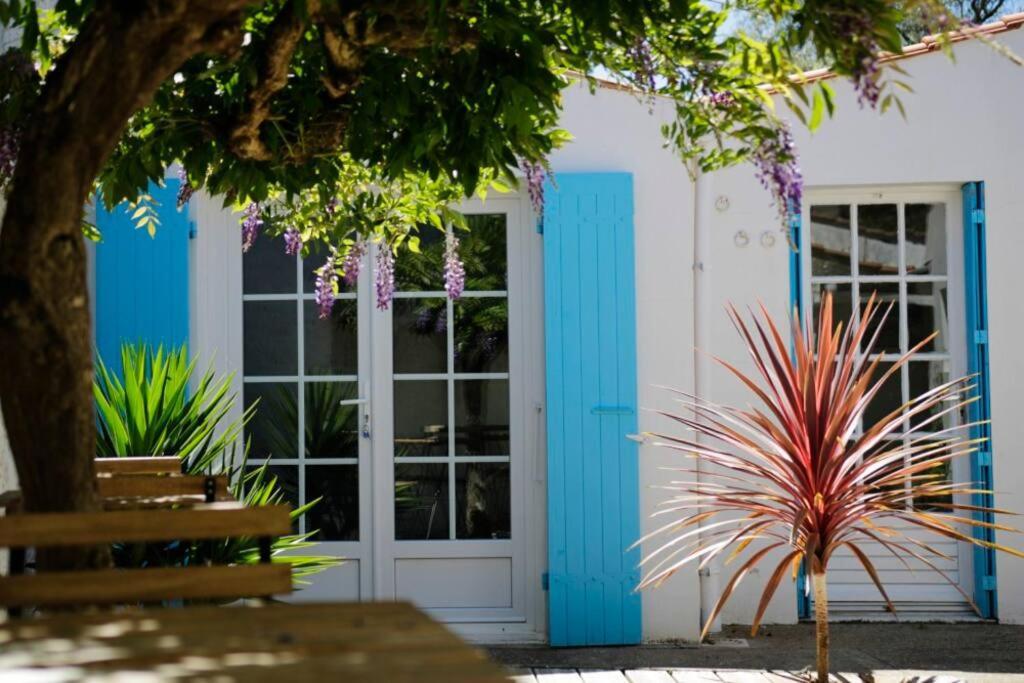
x=949, y=195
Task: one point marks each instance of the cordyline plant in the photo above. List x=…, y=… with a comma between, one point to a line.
x=798, y=476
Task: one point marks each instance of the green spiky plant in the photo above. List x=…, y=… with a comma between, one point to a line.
x=797, y=476
x=149, y=409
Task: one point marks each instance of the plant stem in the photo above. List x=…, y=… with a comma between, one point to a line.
x=821, y=623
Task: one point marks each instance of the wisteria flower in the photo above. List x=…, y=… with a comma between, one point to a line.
x=292, y=241
x=251, y=225
x=353, y=261
x=779, y=172
x=185, y=189
x=535, y=176
x=454, y=271
x=326, y=285
x=385, y=280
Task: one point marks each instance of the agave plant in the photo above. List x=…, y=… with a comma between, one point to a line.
x=803, y=475
x=148, y=409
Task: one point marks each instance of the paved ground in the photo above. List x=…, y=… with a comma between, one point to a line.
x=880, y=652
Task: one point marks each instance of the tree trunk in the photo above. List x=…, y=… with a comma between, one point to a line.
x=821, y=623
x=122, y=54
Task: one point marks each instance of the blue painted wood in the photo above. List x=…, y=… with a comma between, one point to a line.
x=142, y=281
x=796, y=307
x=979, y=412
x=593, y=475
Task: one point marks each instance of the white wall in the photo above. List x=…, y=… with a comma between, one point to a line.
x=613, y=131
x=963, y=124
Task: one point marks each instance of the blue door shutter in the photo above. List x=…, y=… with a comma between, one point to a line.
x=142, y=281
x=975, y=278
x=593, y=479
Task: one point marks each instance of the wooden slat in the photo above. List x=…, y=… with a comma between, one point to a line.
x=215, y=520
x=150, y=486
x=164, y=464
x=113, y=586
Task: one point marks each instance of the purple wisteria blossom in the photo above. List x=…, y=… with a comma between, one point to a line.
x=385, y=280
x=859, y=29
x=251, y=225
x=779, y=172
x=185, y=189
x=353, y=262
x=723, y=99
x=535, y=176
x=292, y=241
x=326, y=285
x=643, y=64
x=454, y=271
x=8, y=155
x=332, y=206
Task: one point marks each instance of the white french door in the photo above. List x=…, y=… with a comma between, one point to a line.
x=418, y=421
x=904, y=245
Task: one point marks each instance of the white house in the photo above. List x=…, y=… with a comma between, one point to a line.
x=479, y=465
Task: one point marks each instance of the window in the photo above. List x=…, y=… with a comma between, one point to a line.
x=898, y=251
x=297, y=368
x=451, y=391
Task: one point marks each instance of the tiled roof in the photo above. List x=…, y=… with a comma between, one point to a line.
x=929, y=44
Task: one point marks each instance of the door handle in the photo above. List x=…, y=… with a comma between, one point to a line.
x=353, y=401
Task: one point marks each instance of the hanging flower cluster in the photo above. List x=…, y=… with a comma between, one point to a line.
x=185, y=189
x=251, y=225
x=640, y=55
x=326, y=285
x=535, y=176
x=353, y=262
x=866, y=73
x=779, y=172
x=292, y=241
x=8, y=155
x=385, y=280
x=454, y=271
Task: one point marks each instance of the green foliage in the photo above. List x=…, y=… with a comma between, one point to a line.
x=431, y=101
x=149, y=409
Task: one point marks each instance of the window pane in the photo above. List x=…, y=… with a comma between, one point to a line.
x=420, y=335
x=925, y=375
x=888, y=399
x=886, y=293
x=483, y=252
x=481, y=335
x=481, y=417
x=925, y=226
x=841, y=302
x=877, y=239
x=830, y=240
x=939, y=500
x=423, y=272
x=287, y=483
x=421, y=418
x=336, y=516
x=332, y=343
x=314, y=259
x=482, y=500
x=270, y=343
x=926, y=313
x=266, y=269
x=332, y=430
x=421, y=502
x=274, y=427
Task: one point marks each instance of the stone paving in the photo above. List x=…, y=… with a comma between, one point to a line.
x=861, y=653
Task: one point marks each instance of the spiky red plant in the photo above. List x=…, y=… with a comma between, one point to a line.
x=804, y=476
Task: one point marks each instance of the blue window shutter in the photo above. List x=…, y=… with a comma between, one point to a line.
x=593, y=477
x=142, y=281
x=796, y=306
x=975, y=278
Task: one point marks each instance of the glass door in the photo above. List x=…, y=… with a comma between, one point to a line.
x=449, y=454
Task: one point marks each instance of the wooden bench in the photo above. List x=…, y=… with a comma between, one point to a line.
x=200, y=522
x=161, y=464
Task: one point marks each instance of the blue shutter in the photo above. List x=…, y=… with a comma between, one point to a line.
x=142, y=281
x=975, y=278
x=593, y=478
x=796, y=304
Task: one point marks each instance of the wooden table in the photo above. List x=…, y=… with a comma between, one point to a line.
x=340, y=642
